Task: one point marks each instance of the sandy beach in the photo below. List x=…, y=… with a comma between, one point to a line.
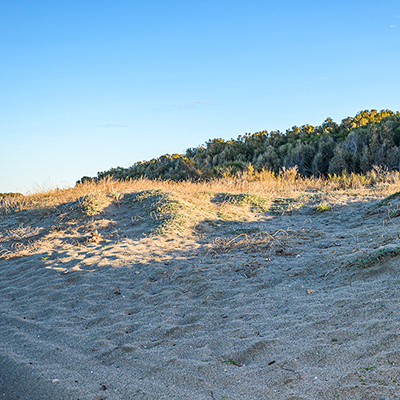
x=147, y=296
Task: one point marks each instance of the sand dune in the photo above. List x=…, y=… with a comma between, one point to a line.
x=155, y=296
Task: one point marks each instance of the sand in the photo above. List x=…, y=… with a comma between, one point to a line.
x=291, y=305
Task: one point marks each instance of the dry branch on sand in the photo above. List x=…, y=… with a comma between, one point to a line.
x=258, y=242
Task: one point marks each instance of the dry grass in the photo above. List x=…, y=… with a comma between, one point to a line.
x=260, y=241
x=57, y=218
x=19, y=233
x=265, y=183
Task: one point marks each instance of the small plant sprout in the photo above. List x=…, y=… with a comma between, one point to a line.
x=322, y=207
x=230, y=361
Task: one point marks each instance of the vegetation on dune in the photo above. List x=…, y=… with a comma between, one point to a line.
x=256, y=203
x=94, y=204
x=375, y=257
x=356, y=145
x=162, y=208
x=3, y=195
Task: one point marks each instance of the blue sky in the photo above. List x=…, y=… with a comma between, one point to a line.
x=90, y=85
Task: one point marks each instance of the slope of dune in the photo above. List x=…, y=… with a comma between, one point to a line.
x=164, y=293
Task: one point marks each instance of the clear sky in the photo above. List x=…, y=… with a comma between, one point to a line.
x=90, y=85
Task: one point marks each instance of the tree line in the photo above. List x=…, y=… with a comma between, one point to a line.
x=357, y=144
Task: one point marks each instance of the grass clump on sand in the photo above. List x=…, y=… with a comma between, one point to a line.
x=162, y=209
x=94, y=204
x=388, y=200
x=322, y=207
x=286, y=205
x=376, y=257
x=391, y=204
x=257, y=203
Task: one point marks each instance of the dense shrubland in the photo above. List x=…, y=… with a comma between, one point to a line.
x=357, y=145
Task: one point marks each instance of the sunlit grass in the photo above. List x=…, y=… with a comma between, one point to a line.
x=265, y=184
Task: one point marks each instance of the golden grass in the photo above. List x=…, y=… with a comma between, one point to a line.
x=195, y=206
x=265, y=183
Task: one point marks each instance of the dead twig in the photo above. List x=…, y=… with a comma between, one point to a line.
x=260, y=241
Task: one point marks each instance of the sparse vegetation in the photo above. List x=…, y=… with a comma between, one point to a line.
x=93, y=204
x=388, y=200
x=256, y=203
x=230, y=361
x=322, y=207
x=257, y=242
x=162, y=208
x=283, y=205
x=375, y=257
